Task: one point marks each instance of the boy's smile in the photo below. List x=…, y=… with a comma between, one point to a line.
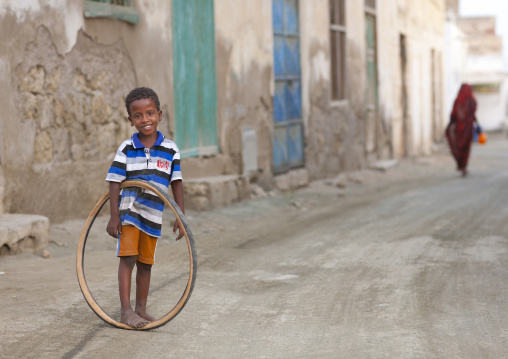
x=145, y=117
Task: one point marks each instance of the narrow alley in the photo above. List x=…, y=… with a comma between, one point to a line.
x=407, y=263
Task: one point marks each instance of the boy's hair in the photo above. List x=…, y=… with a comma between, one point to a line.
x=141, y=93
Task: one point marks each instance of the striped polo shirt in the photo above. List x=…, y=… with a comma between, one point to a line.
x=159, y=165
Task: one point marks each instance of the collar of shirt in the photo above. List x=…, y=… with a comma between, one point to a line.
x=137, y=143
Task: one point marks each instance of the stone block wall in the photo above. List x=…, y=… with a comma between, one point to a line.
x=73, y=103
x=212, y=192
x=72, y=118
x=292, y=180
x=20, y=233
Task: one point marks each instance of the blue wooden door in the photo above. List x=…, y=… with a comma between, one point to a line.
x=195, y=88
x=287, y=103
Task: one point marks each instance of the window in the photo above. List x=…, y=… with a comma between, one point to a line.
x=338, y=49
x=118, y=9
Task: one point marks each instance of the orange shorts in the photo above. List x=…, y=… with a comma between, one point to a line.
x=133, y=242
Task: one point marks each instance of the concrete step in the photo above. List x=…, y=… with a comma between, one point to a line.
x=20, y=233
x=205, y=193
x=292, y=180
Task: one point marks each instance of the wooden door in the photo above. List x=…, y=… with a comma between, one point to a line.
x=195, y=84
x=287, y=103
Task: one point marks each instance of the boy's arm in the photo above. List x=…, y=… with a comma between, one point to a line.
x=177, y=188
x=114, y=227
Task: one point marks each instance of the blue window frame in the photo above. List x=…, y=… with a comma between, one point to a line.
x=287, y=103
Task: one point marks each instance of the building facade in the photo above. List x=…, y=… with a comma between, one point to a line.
x=265, y=89
x=485, y=70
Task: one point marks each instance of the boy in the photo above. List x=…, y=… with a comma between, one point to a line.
x=136, y=220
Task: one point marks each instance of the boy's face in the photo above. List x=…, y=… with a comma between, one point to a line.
x=145, y=117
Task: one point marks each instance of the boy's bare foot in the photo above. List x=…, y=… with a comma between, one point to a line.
x=132, y=319
x=146, y=316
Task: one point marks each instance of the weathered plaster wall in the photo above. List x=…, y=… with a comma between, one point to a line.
x=484, y=65
x=18, y=24
x=69, y=78
x=149, y=47
x=454, y=61
x=390, y=81
x=422, y=23
x=244, y=50
x=65, y=117
x=333, y=130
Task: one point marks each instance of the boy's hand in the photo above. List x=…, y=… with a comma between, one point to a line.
x=114, y=227
x=180, y=230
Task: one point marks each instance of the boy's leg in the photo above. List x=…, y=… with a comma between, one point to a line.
x=127, y=252
x=146, y=250
x=143, y=275
x=128, y=316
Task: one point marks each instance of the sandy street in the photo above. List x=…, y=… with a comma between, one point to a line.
x=407, y=263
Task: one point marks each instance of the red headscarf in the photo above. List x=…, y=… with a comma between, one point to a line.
x=459, y=132
x=464, y=106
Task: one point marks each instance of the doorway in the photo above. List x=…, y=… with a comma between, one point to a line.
x=194, y=88
x=404, y=97
x=373, y=146
x=287, y=103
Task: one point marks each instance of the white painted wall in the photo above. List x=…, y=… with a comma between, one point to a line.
x=455, y=62
x=488, y=69
x=491, y=107
x=491, y=110
x=504, y=92
x=421, y=22
x=485, y=69
x=315, y=59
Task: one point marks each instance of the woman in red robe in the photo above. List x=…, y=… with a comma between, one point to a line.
x=459, y=131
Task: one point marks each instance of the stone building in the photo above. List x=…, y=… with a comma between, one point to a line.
x=413, y=86
x=485, y=70
x=474, y=55
x=271, y=92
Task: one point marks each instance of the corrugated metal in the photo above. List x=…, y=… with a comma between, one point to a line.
x=195, y=88
x=288, y=125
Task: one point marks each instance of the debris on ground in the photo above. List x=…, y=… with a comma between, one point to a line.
x=355, y=178
x=256, y=191
x=59, y=244
x=296, y=204
x=383, y=166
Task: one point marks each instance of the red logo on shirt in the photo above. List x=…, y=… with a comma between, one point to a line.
x=163, y=164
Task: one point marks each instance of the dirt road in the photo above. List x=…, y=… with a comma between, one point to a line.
x=410, y=263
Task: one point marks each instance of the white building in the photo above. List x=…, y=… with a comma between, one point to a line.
x=454, y=60
x=485, y=70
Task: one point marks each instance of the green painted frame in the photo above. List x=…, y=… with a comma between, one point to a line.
x=104, y=8
x=195, y=82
